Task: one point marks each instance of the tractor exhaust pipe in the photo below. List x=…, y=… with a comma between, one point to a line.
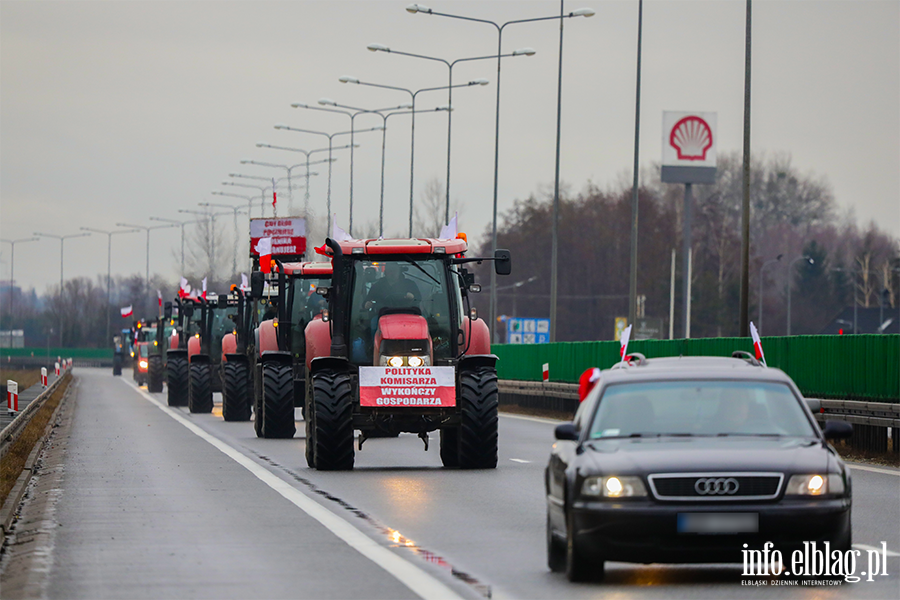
x=336, y=309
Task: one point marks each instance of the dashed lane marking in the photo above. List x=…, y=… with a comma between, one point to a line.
x=535, y=419
x=520, y=460
x=873, y=469
x=420, y=582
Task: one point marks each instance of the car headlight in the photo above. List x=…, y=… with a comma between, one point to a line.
x=613, y=486
x=814, y=485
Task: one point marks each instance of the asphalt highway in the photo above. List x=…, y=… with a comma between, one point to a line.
x=157, y=502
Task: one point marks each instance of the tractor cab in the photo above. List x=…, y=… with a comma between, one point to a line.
x=402, y=352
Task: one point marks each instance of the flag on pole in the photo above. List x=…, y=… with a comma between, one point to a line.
x=450, y=230
x=245, y=283
x=757, y=345
x=184, y=288
x=126, y=311
x=264, y=249
x=338, y=234
x=204, y=288
x=623, y=350
x=159, y=295
x=587, y=381
x=274, y=198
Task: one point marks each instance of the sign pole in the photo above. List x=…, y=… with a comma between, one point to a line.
x=686, y=258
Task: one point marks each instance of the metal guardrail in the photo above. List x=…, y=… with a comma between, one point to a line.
x=872, y=420
x=12, y=431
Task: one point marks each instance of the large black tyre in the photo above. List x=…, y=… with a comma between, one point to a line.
x=117, y=365
x=235, y=391
x=578, y=567
x=478, y=411
x=332, y=421
x=277, y=401
x=450, y=446
x=310, y=436
x=556, y=552
x=177, y=381
x=200, y=398
x=155, y=374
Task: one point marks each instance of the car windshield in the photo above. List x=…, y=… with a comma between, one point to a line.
x=699, y=408
x=416, y=286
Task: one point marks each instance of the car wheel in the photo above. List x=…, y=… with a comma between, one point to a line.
x=578, y=567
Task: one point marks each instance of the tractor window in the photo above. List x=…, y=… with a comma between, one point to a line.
x=418, y=287
x=307, y=304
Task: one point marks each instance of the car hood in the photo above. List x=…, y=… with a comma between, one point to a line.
x=689, y=455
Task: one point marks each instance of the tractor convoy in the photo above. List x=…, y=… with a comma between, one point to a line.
x=381, y=340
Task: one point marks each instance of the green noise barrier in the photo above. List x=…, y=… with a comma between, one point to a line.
x=864, y=367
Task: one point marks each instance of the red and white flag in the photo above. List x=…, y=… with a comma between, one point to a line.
x=274, y=199
x=159, y=295
x=245, y=283
x=264, y=249
x=204, y=288
x=126, y=311
x=184, y=289
x=623, y=340
x=757, y=345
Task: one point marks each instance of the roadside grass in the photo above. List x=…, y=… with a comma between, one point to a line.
x=888, y=459
x=14, y=461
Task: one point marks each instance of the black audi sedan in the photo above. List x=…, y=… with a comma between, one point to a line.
x=686, y=460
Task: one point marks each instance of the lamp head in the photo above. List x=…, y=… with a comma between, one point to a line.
x=378, y=47
x=281, y=125
x=346, y=79
x=481, y=81
x=327, y=102
x=524, y=52
x=583, y=12
x=245, y=161
x=418, y=8
x=261, y=144
x=405, y=106
x=445, y=107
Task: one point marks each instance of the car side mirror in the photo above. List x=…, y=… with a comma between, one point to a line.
x=475, y=288
x=566, y=431
x=837, y=430
x=257, y=282
x=502, y=262
x=167, y=310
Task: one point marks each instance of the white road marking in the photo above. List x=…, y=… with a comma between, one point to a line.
x=535, y=419
x=519, y=460
x=419, y=581
x=873, y=469
x=890, y=553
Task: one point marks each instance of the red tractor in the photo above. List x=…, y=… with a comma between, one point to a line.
x=402, y=352
x=280, y=365
x=237, y=347
x=177, y=375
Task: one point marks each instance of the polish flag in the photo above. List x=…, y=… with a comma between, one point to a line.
x=623, y=340
x=126, y=311
x=274, y=198
x=184, y=288
x=587, y=381
x=264, y=249
x=204, y=288
x=159, y=295
x=757, y=345
x=245, y=283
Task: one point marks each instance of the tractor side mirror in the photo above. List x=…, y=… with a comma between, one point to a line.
x=167, y=310
x=257, y=282
x=188, y=310
x=222, y=301
x=502, y=262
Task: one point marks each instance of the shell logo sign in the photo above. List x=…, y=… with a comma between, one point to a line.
x=689, y=147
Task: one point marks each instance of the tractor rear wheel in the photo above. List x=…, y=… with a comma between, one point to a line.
x=117, y=365
x=310, y=435
x=478, y=427
x=332, y=421
x=450, y=446
x=200, y=389
x=235, y=391
x=278, y=401
x=155, y=374
x=177, y=381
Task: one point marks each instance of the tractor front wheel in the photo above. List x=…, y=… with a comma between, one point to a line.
x=155, y=374
x=200, y=390
x=450, y=446
x=478, y=427
x=277, y=419
x=177, y=381
x=235, y=391
x=331, y=422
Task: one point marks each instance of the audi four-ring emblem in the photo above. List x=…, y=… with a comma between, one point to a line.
x=716, y=486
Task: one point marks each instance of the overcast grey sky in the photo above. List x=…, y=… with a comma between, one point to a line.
x=116, y=111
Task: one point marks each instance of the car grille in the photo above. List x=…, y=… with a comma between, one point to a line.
x=716, y=486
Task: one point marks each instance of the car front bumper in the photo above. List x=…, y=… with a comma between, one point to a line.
x=646, y=532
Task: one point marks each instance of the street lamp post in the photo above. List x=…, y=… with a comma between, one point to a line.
x=331, y=148
x=180, y=224
x=352, y=114
x=62, y=239
x=148, y=229
x=289, y=169
x=412, y=144
x=109, y=235
x=449, y=88
x=12, y=269
x=236, y=210
x=262, y=193
x=249, y=200
x=789, y=286
x=761, y=270
x=212, y=239
x=417, y=8
x=276, y=183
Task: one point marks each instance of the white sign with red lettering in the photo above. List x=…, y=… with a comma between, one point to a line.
x=288, y=235
x=407, y=387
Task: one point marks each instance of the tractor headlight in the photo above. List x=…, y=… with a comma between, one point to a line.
x=613, y=487
x=395, y=361
x=143, y=364
x=415, y=361
x=404, y=361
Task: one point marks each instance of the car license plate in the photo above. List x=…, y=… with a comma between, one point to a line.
x=718, y=523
